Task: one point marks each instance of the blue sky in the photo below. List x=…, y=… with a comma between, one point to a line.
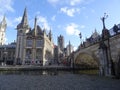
x=65, y=17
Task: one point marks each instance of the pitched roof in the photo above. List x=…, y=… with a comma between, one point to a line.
x=39, y=31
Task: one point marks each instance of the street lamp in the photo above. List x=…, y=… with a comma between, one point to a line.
x=103, y=19
x=80, y=35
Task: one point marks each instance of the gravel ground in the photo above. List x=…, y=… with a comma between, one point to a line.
x=58, y=82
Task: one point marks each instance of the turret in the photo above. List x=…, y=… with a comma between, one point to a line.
x=35, y=26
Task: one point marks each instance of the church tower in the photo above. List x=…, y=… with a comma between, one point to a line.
x=22, y=29
x=3, y=26
x=61, y=43
x=69, y=49
x=50, y=35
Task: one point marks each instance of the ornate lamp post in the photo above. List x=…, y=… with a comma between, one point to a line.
x=103, y=19
x=80, y=35
x=106, y=53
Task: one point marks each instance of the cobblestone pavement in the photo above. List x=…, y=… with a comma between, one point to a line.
x=58, y=82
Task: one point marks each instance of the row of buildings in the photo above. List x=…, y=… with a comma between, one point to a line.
x=32, y=46
x=62, y=53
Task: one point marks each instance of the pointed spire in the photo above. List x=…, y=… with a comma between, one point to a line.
x=44, y=30
x=69, y=42
x=4, y=21
x=50, y=35
x=95, y=30
x=24, y=21
x=24, y=18
x=35, y=26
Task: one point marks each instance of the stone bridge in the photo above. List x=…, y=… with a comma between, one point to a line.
x=107, y=58
x=93, y=50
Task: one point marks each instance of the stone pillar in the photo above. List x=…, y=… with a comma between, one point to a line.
x=24, y=50
x=34, y=51
x=103, y=56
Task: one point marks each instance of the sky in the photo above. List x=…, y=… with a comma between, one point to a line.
x=63, y=17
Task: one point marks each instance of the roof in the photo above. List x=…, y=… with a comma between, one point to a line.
x=12, y=45
x=95, y=34
x=39, y=31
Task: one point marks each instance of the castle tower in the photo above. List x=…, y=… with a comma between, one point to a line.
x=3, y=26
x=22, y=29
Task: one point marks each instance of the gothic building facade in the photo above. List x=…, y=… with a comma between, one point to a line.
x=34, y=46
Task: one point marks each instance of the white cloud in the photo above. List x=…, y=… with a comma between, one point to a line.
x=93, y=11
x=75, y=2
x=69, y=2
x=53, y=18
x=53, y=2
x=18, y=19
x=82, y=26
x=59, y=26
x=5, y=6
x=75, y=48
x=43, y=21
x=72, y=29
x=70, y=11
x=12, y=22
x=37, y=13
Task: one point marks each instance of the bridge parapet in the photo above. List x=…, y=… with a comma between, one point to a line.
x=113, y=51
